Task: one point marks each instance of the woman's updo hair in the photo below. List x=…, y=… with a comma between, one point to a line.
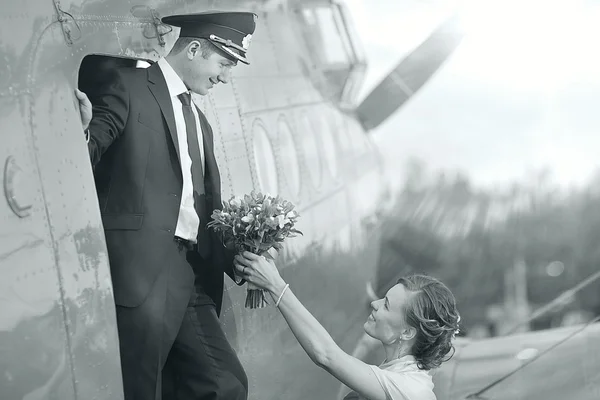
x=431, y=310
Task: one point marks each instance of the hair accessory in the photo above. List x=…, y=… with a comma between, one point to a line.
x=457, y=330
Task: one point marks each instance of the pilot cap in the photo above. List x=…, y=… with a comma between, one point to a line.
x=229, y=31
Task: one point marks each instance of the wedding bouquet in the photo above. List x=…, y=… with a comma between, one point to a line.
x=255, y=223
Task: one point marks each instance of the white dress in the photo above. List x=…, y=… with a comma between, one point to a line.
x=401, y=379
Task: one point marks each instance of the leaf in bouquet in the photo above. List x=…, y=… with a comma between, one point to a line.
x=219, y=220
x=265, y=246
x=260, y=235
x=212, y=223
x=248, y=243
x=296, y=231
x=257, y=244
x=216, y=215
x=280, y=236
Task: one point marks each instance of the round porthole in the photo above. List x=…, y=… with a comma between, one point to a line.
x=264, y=158
x=289, y=158
x=310, y=147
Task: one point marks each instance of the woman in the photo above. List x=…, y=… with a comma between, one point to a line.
x=415, y=322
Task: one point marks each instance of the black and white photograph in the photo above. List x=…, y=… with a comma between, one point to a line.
x=299, y=199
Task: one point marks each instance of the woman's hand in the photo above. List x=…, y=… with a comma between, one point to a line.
x=260, y=271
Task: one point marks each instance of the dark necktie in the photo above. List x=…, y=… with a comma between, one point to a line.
x=197, y=175
x=192, y=141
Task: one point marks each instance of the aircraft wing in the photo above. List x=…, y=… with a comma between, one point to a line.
x=410, y=74
x=554, y=364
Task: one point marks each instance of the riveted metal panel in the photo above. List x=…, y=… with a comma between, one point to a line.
x=279, y=84
x=31, y=310
x=75, y=226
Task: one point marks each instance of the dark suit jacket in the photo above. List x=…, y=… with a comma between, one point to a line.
x=134, y=150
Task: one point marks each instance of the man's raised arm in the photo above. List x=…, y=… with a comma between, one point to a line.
x=105, y=121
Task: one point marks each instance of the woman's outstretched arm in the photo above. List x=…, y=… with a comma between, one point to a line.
x=311, y=335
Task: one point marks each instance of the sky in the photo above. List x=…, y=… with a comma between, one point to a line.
x=520, y=94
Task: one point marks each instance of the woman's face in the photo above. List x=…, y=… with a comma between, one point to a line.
x=386, y=321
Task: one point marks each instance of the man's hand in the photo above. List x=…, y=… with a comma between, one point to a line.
x=85, y=108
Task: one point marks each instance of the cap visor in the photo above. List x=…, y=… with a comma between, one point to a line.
x=232, y=54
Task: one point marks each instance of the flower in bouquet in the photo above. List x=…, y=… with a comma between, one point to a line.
x=255, y=223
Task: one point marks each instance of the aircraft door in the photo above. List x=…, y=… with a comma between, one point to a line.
x=77, y=235
x=58, y=337
x=34, y=356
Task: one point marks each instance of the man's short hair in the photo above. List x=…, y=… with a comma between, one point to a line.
x=206, y=47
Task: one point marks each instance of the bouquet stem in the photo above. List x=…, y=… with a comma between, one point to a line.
x=255, y=297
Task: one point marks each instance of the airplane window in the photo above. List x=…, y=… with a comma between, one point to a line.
x=325, y=24
x=264, y=158
x=310, y=147
x=289, y=157
x=334, y=47
x=352, y=39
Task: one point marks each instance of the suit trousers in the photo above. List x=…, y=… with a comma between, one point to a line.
x=173, y=346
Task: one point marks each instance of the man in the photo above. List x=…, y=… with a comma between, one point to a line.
x=158, y=182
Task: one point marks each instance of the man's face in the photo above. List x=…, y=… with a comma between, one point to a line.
x=203, y=73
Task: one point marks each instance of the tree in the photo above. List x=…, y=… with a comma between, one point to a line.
x=469, y=237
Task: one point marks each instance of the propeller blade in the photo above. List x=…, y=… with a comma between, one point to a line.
x=410, y=74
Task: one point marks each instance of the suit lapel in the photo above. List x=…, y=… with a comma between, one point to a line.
x=158, y=87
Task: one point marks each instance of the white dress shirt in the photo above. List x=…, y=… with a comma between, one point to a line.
x=401, y=379
x=188, y=221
